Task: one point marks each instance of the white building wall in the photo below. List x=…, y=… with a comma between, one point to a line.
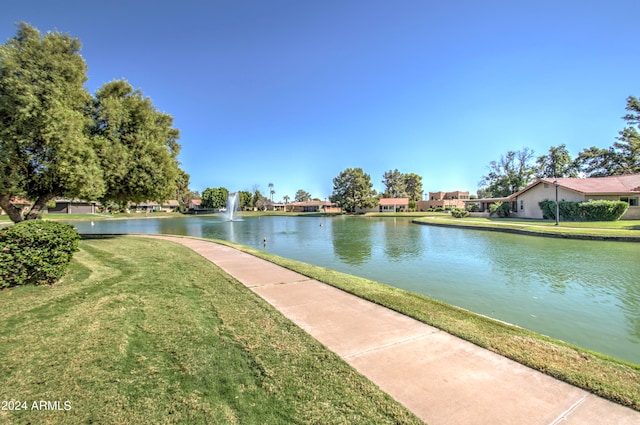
x=528, y=202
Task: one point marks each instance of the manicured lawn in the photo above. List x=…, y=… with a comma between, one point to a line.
x=610, y=378
x=146, y=331
x=596, y=228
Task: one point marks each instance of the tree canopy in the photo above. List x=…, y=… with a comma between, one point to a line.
x=623, y=157
x=56, y=140
x=302, y=196
x=45, y=150
x=509, y=174
x=215, y=198
x=136, y=144
x=353, y=188
x=400, y=185
x=556, y=163
x=394, y=183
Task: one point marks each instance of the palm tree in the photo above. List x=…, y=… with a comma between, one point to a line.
x=286, y=200
x=271, y=191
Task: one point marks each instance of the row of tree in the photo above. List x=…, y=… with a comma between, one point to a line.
x=57, y=140
x=352, y=188
x=216, y=198
x=516, y=169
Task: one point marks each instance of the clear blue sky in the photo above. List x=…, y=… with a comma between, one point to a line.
x=292, y=92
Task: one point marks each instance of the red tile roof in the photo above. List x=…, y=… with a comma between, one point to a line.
x=394, y=201
x=600, y=185
x=20, y=201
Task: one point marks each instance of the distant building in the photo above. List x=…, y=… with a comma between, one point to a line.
x=393, y=205
x=22, y=204
x=387, y=205
x=194, y=205
x=171, y=205
x=313, y=206
x=73, y=206
x=444, y=200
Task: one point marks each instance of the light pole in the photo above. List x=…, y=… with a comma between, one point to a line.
x=555, y=183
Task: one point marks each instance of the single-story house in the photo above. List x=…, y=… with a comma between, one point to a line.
x=23, y=204
x=444, y=200
x=73, y=206
x=393, y=205
x=313, y=206
x=525, y=203
x=171, y=205
x=387, y=205
x=275, y=206
x=194, y=204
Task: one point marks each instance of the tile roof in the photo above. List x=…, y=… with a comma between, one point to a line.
x=394, y=201
x=598, y=185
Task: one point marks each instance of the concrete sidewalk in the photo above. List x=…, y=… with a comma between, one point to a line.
x=441, y=378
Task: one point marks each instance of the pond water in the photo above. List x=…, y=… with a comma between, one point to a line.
x=583, y=292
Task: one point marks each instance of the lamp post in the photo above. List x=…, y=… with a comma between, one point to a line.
x=555, y=183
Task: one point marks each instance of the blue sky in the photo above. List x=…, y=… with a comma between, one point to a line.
x=293, y=92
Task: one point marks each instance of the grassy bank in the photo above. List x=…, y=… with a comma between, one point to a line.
x=145, y=331
x=621, y=228
x=610, y=378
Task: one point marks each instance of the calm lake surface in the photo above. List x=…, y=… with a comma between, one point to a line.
x=583, y=292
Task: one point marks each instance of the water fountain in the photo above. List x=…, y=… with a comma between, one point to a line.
x=232, y=206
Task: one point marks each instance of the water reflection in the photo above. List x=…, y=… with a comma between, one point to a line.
x=402, y=240
x=351, y=239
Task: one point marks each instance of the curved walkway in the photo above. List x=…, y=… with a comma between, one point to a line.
x=441, y=378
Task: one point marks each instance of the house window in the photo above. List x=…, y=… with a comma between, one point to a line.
x=521, y=205
x=546, y=185
x=633, y=202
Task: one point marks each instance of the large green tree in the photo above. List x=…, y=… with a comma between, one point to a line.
x=302, y=196
x=45, y=150
x=353, y=188
x=394, y=184
x=621, y=158
x=183, y=194
x=400, y=185
x=556, y=163
x=58, y=141
x=136, y=143
x=509, y=174
x=215, y=197
x=246, y=200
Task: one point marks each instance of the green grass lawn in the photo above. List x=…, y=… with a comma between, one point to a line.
x=595, y=228
x=146, y=331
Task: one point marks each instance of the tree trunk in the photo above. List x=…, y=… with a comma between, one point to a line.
x=38, y=206
x=14, y=213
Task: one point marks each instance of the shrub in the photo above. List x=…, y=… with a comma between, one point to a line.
x=602, y=210
x=35, y=252
x=591, y=210
x=459, y=213
x=501, y=208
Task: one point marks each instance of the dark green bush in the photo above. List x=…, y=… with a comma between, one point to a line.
x=459, y=213
x=591, y=210
x=602, y=210
x=503, y=209
x=35, y=252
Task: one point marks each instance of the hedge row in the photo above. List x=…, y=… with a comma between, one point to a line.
x=35, y=252
x=585, y=211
